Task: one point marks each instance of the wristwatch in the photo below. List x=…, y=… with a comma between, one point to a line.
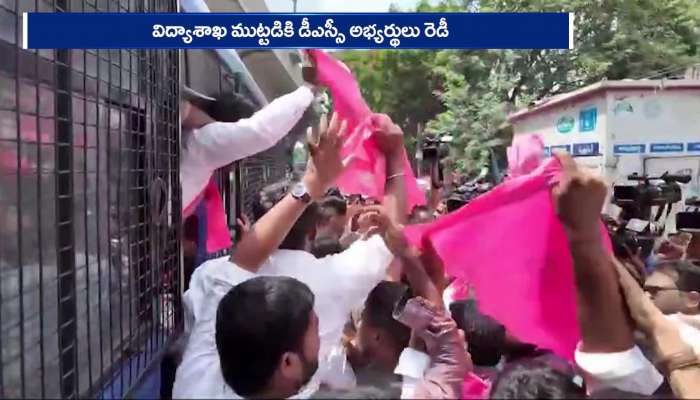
x=299, y=192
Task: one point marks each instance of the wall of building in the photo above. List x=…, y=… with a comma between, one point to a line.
x=657, y=125
x=578, y=126
x=643, y=131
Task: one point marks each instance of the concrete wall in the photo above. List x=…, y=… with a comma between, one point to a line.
x=549, y=124
x=653, y=119
x=665, y=122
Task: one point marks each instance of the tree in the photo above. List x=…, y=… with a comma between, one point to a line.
x=469, y=93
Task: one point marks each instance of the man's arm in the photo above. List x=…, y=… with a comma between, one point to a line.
x=449, y=360
x=220, y=143
x=607, y=352
x=389, y=139
x=268, y=232
x=217, y=144
x=677, y=358
x=604, y=325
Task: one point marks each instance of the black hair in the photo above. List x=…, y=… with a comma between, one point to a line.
x=326, y=246
x=256, y=323
x=230, y=107
x=379, y=310
x=415, y=213
x=335, y=203
x=303, y=228
x=366, y=392
x=334, y=191
x=688, y=275
x=485, y=336
x=535, y=379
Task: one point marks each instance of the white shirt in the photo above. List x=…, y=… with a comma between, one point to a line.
x=628, y=371
x=689, y=334
x=220, y=143
x=411, y=366
x=339, y=282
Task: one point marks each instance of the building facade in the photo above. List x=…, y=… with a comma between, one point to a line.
x=619, y=128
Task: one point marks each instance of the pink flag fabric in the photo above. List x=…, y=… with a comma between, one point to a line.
x=509, y=245
x=366, y=166
x=525, y=154
x=218, y=236
x=474, y=387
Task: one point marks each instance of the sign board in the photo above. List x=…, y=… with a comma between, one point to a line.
x=587, y=119
x=694, y=146
x=666, y=147
x=586, y=149
x=560, y=148
x=629, y=148
x=565, y=124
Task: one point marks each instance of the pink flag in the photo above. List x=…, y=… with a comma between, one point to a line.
x=366, y=166
x=474, y=387
x=525, y=154
x=509, y=245
x=218, y=236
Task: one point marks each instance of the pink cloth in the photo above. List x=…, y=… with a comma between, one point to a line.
x=525, y=154
x=510, y=246
x=218, y=235
x=474, y=387
x=366, y=166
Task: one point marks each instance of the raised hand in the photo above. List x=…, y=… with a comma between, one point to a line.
x=325, y=163
x=388, y=136
x=579, y=197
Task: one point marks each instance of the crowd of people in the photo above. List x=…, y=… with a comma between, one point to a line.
x=324, y=296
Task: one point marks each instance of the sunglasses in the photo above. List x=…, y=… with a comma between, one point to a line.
x=654, y=290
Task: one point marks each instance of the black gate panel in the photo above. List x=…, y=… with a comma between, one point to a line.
x=90, y=209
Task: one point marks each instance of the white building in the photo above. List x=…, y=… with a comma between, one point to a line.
x=622, y=127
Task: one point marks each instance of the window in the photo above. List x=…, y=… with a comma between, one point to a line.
x=89, y=210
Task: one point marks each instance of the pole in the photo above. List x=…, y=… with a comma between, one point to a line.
x=295, y=5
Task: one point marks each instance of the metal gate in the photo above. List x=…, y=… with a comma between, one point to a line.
x=89, y=209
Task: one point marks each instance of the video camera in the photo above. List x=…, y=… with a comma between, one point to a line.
x=639, y=228
x=636, y=201
x=466, y=193
x=434, y=150
x=689, y=220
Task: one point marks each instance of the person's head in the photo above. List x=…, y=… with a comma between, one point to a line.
x=334, y=192
x=326, y=246
x=267, y=337
x=675, y=287
x=230, y=107
x=485, y=336
x=303, y=232
x=535, y=379
x=420, y=215
x=333, y=216
x=380, y=337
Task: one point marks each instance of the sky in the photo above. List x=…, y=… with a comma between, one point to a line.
x=338, y=5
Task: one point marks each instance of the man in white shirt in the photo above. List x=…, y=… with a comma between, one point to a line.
x=209, y=144
x=339, y=282
x=674, y=286
x=606, y=355
x=267, y=337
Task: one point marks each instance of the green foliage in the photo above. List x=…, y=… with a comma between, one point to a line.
x=468, y=94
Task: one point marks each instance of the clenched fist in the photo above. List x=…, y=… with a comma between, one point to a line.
x=579, y=197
